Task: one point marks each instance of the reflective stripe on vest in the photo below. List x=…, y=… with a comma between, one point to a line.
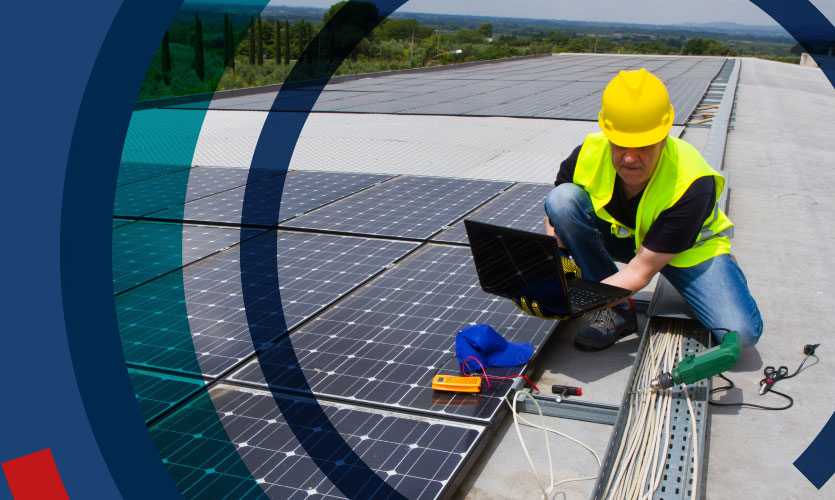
x=679, y=165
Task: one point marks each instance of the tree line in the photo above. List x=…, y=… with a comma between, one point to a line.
x=240, y=52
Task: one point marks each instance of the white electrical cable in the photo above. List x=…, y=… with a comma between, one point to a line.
x=546, y=492
x=638, y=464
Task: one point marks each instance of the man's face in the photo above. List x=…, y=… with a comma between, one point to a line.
x=635, y=166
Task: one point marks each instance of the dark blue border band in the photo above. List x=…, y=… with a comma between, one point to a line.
x=86, y=277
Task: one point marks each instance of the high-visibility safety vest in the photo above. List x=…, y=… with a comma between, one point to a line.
x=679, y=165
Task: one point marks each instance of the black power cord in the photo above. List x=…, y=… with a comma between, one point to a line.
x=772, y=376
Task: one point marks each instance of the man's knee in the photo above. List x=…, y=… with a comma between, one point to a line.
x=750, y=329
x=564, y=200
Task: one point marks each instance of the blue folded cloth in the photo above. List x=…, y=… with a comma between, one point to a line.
x=486, y=345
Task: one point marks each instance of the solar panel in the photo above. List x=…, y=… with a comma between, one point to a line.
x=146, y=250
x=383, y=344
x=685, y=95
x=144, y=197
x=521, y=207
x=200, y=309
x=132, y=172
x=238, y=444
x=120, y=222
x=157, y=392
x=407, y=207
x=301, y=191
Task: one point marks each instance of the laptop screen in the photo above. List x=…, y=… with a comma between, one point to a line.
x=507, y=261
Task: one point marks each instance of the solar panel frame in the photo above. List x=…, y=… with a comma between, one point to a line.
x=157, y=392
x=382, y=344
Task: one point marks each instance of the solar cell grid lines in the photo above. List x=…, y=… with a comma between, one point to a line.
x=151, y=195
x=146, y=250
x=300, y=191
x=313, y=271
x=520, y=207
x=406, y=207
x=157, y=392
x=240, y=442
x=383, y=344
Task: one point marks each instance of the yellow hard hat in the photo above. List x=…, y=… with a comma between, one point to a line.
x=635, y=110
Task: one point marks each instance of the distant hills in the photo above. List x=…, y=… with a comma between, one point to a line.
x=524, y=26
x=518, y=26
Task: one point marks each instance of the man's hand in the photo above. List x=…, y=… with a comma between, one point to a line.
x=545, y=299
x=532, y=308
x=640, y=270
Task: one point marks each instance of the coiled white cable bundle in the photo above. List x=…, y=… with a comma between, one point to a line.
x=639, y=462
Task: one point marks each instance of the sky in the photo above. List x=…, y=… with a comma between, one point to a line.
x=626, y=11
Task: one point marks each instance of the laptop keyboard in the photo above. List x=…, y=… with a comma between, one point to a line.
x=581, y=298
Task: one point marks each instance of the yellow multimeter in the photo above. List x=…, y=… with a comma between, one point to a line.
x=456, y=384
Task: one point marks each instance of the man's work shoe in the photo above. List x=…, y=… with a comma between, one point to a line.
x=606, y=327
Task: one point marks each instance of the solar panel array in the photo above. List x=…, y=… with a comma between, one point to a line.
x=370, y=291
x=407, y=207
x=566, y=86
x=301, y=191
x=384, y=343
x=201, y=310
x=235, y=443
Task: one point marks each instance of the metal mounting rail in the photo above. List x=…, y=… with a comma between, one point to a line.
x=714, y=151
x=557, y=406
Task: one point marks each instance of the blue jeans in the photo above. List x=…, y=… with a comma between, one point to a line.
x=716, y=290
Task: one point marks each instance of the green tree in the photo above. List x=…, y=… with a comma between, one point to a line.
x=166, y=59
x=557, y=38
x=226, y=40
x=259, y=55
x=310, y=40
x=706, y=47
x=468, y=36
x=251, y=40
x=199, y=66
x=286, y=42
x=486, y=30
x=403, y=29
x=231, y=47
x=277, y=41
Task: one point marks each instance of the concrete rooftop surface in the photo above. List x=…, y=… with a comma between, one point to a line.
x=779, y=164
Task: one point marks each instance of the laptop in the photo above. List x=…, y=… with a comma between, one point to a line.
x=510, y=262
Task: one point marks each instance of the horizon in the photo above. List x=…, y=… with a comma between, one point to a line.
x=652, y=12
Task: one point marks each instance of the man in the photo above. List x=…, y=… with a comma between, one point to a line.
x=636, y=195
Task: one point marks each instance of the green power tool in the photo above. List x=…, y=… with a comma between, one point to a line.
x=702, y=365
